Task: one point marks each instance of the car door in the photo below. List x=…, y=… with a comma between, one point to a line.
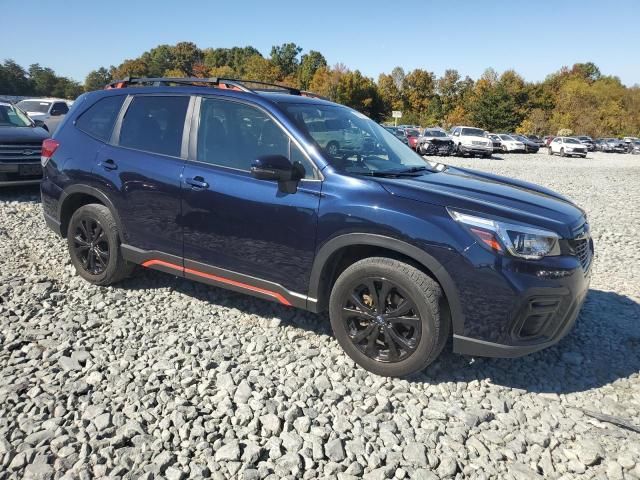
x=239, y=231
x=140, y=171
x=56, y=114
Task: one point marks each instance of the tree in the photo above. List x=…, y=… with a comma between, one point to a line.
x=419, y=90
x=285, y=57
x=14, y=80
x=185, y=56
x=325, y=81
x=43, y=80
x=261, y=69
x=309, y=65
x=493, y=108
x=360, y=92
x=159, y=60
x=398, y=77
x=97, y=79
x=233, y=58
x=133, y=67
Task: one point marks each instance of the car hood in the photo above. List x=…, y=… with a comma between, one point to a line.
x=489, y=194
x=22, y=134
x=441, y=139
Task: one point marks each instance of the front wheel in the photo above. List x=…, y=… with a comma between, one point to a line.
x=387, y=316
x=94, y=246
x=562, y=152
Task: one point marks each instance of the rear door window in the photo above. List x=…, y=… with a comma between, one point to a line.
x=99, y=119
x=155, y=124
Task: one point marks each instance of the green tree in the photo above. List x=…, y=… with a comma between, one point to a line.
x=185, y=56
x=97, y=79
x=14, y=80
x=360, y=92
x=44, y=80
x=285, y=57
x=309, y=65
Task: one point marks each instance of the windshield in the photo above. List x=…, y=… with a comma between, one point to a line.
x=507, y=138
x=472, y=132
x=352, y=142
x=13, y=117
x=34, y=106
x=434, y=133
x=571, y=140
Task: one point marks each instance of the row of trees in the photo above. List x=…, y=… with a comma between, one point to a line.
x=579, y=98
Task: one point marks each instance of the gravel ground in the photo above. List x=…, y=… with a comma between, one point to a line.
x=165, y=378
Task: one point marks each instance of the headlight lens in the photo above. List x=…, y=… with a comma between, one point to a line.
x=521, y=241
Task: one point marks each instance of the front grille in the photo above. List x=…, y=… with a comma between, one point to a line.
x=582, y=250
x=20, y=152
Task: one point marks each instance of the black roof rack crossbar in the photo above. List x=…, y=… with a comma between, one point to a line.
x=214, y=81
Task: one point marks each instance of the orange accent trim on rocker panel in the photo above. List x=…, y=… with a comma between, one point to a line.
x=277, y=296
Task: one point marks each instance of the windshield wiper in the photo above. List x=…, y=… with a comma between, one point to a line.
x=411, y=172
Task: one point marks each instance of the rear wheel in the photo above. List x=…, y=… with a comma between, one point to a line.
x=387, y=316
x=94, y=246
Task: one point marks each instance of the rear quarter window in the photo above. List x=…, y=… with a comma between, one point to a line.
x=99, y=119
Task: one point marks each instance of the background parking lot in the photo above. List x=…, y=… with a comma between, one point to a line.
x=166, y=377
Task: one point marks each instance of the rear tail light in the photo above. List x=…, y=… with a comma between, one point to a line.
x=49, y=147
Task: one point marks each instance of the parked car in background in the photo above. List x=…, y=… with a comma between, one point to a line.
x=434, y=141
x=588, y=141
x=601, y=145
x=529, y=145
x=630, y=142
x=336, y=137
x=536, y=139
x=411, y=135
x=20, y=147
x=567, y=146
x=496, y=142
x=51, y=111
x=635, y=147
x=403, y=256
x=471, y=141
x=616, y=145
x=510, y=144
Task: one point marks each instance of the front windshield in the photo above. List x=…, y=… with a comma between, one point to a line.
x=412, y=133
x=434, y=133
x=352, y=142
x=34, y=106
x=571, y=140
x=507, y=138
x=13, y=117
x=472, y=132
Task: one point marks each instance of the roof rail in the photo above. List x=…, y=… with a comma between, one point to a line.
x=224, y=83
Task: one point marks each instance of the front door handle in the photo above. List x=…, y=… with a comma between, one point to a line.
x=197, y=183
x=109, y=164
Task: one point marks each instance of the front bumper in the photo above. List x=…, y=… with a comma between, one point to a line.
x=476, y=149
x=513, y=307
x=20, y=173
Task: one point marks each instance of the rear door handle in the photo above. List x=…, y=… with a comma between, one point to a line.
x=197, y=183
x=109, y=164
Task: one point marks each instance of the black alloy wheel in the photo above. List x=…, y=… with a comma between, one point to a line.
x=91, y=245
x=381, y=320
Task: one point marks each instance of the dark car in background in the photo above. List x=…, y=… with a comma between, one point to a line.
x=536, y=139
x=616, y=145
x=529, y=145
x=229, y=187
x=411, y=135
x=20, y=147
x=588, y=141
x=434, y=141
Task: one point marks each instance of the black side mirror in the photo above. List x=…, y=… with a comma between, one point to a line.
x=41, y=124
x=279, y=168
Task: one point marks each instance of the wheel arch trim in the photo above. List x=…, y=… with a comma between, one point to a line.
x=368, y=239
x=72, y=190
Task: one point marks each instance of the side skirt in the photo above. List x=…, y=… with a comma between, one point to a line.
x=218, y=277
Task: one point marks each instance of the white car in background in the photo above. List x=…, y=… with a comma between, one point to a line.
x=510, y=144
x=471, y=141
x=51, y=111
x=567, y=146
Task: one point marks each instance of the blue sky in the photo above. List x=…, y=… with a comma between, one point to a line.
x=533, y=37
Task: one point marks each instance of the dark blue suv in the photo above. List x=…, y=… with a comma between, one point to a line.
x=279, y=194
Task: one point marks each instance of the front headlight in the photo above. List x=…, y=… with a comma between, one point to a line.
x=520, y=241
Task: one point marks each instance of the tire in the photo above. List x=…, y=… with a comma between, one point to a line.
x=583, y=156
x=487, y=155
x=562, y=154
x=549, y=151
x=422, y=333
x=332, y=148
x=103, y=263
